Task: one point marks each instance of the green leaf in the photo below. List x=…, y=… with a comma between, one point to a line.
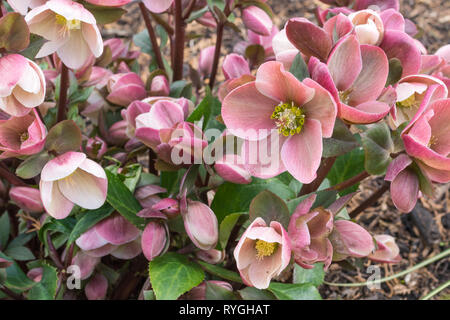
x=36, y=43
x=4, y=229
x=270, y=207
x=14, y=32
x=207, y=111
x=149, y=295
x=104, y=15
x=299, y=68
x=142, y=40
x=46, y=288
x=131, y=174
x=324, y=199
x=121, y=198
x=287, y=291
x=251, y=293
x=63, y=137
x=341, y=142
x=17, y=279
x=220, y=272
x=19, y=253
x=346, y=167
x=395, y=71
x=21, y=240
x=378, y=146
x=242, y=195
x=216, y=292
x=33, y=165
x=227, y=225
x=172, y=274
x=255, y=53
x=88, y=220
x=81, y=95
x=312, y=276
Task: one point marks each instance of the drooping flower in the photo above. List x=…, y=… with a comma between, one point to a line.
x=70, y=29
x=201, y=225
x=22, y=135
x=157, y=6
x=125, y=88
x=257, y=20
x=71, y=179
x=28, y=199
x=97, y=287
x=387, y=251
x=109, y=3
x=22, y=86
x=262, y=253
x=278, y=104
x=155, y=239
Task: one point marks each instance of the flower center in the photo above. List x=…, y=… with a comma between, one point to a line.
x=408, y=102
x=344, y=96
x=265, y=249
x=68, y=25
x=24, y=137
x=289, y=118
x=433, y=141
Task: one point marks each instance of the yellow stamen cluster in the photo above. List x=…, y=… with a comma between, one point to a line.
x=433, y=141
x=67, y=25
x=24, y=137
x=408, y=102
x=264, y=248
x=289, y=118
x=344, y=96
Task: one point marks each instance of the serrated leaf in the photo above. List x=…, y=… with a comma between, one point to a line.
x=172, y=275
x=312, y=276
x=299, y=68
x=287, y=291
x=46, y=288
x=121, y=199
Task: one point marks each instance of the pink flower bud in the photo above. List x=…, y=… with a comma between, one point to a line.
x=86, y=263
x=96, y=288
x=201, y=225
x=212, y=256
x=257, y=20
x=35, y=274
x=28, y=199
x=350, y=239
x=5, y=263
x=147, y=195
x=199, y=292
x=231, y=168
x=155, y=239
x=235, y=66
x=157, y=6
x=262, y=253
x=96, y=147
x=387, y=251
x=117, y=133
x=205, y=61
x=125, y=88
x=369, y=27
x=160, y=86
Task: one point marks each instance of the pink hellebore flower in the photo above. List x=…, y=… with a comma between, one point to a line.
x=387, y=252
x=71, y=30
x=278, y=104
x=201, y=225
x=235, y=66
x=414, y=94
x=155, y=239
x=356, y=76
x=199, y=292
x=160, y=86
x=369, y=27
x=125, y=88
x=96, y=147
x=309, y=231
x=22, y=86
x=71, y=179
x=427, y=141
x=230, y=167
x=404, y=186
x=28, y=199
x=262, y=253
x=22, y=6
x=114, y=235
x=350, y=239
x=257, y=20
x=205, y=61
x=21, y=136
x=157, y=6
x=96, y=288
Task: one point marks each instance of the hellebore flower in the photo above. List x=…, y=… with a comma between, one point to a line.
x=235, y=66
x=212, y=256
x=414, y=94
x=205, y=61
x=257, y=20
x=21, y=6
x=160, y=86
x=28, y=199
x=369, y=27
x=96, y=288
x=262, y=253
x=404, y=183
x=155, y=239
x=356, y=76
x=201, y=225
x=22, y=86
x=22, y=135
x=427, y=141
x=277, y=104
x=157, y=6
x=350, y=239
x=387, y=252
x=125, y=88
x=230, y=167
x=114, y=235
x=71, y=30
x=71, y=179
x=86, y=264
x=96, y=147
x=309, y=231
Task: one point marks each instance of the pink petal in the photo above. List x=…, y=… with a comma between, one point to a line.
x=128, y=250
x=90, y=240
x=97, y=287
x=368, y=112
x=158, y=6
x=117, y=230
x=405, y=190
x=397, y=165
x=56, y=205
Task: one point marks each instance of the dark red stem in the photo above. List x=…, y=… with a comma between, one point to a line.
x=152, y=35
x=178, y=57
x=369, y=201
x=64, y=85
x=322, y=172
